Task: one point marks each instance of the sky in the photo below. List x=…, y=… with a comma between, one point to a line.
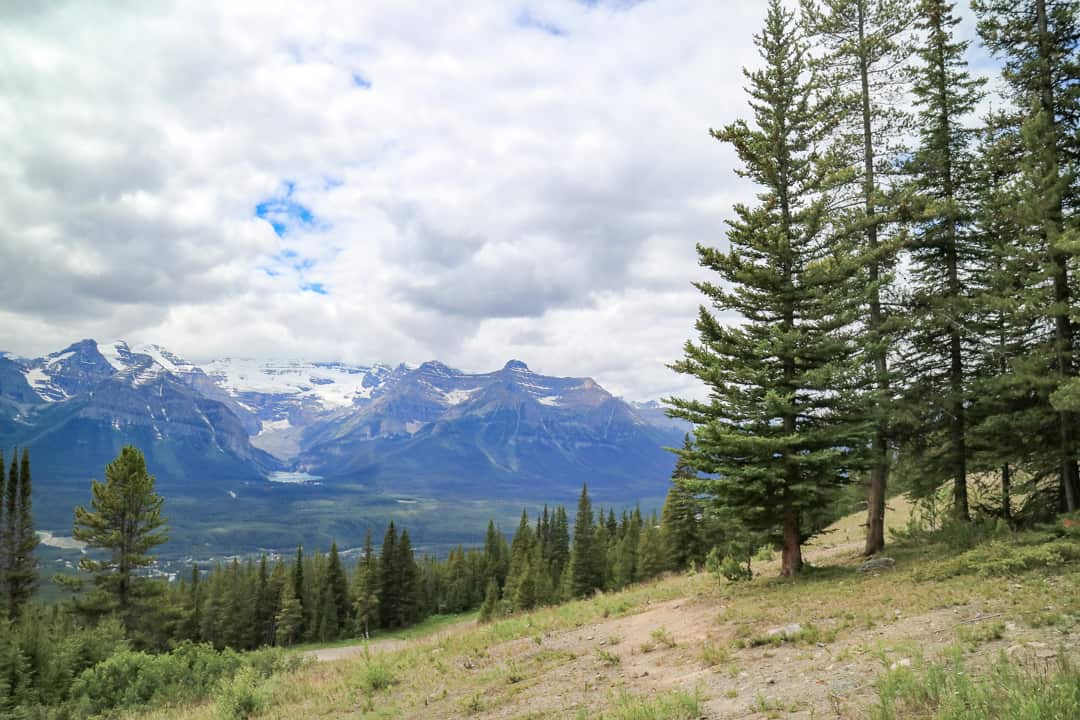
x=370, y=181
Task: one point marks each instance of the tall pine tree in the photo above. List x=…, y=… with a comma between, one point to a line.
x=863, y=45
x=945, y=252
x=778, y=433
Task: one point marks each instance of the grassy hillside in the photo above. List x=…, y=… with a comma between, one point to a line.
x=976, y=623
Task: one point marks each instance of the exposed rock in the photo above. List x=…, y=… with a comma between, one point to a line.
x=785, y=631
x=878, y=563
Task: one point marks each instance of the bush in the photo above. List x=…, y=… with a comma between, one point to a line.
x=726, y=567
x=376, y=674
x=240, y=697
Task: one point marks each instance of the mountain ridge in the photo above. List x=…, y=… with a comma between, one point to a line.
x=220, y=433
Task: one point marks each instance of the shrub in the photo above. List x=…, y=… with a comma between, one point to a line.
x=241, y=696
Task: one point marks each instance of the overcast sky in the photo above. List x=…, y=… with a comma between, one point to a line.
x=369, y=181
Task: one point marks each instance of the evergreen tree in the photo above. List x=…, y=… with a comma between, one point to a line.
x=651, y=555
x=124, y=519
x=290, y=617
x=864, y=45
x=944, y=251
x=408, y=578
x=23, y=570
x=777, y=434
x=521, y=550
x=365, y=588
x=299, y=588
x=490, y=606
x=389, y=579
x=496, y=555
x=586, y=570
x=337, y=591
x=560, y=545
x=1037, y=40
x=679, y=525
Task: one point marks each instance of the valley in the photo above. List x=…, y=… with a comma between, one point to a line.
x=255, y=456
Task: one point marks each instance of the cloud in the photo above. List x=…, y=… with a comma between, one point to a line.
x=370, y=181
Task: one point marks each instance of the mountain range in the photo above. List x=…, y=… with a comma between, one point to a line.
x=259, y=454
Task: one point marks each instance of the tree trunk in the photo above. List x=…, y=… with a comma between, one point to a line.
x=1006, y=493
x=791, y=557
x=879, y=475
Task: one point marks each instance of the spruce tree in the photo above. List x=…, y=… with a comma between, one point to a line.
x=389, y=579
x=778, y=433
x=586, y=571
x=408, y=579
x=863, y=44
x=338, y=587
x=365, y=588
x=124, y=519
x=945, y=253
x=23, y=571
x=299, y=587
x=289, y=619
x=679, y=525
x=1037, y=42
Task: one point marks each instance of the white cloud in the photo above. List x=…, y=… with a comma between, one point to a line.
x=496, y=191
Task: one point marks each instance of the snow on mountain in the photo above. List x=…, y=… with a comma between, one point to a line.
x=332, y=385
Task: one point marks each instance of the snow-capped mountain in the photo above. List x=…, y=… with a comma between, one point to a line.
x=216, y=431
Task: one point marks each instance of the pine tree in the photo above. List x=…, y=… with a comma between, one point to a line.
x=944, y=252
x=22, y=574
x=586, y=570
x=521, y=550
x=651, y=556
x=864, y=43
x=337, y=588
x=560, y=545
x=289, y=618
x=389, y=579
x=299, y=588
x=490, y=607
x=777, y=434
x=679, y=526
x=1037, y=40
x=365, y=588
x=1010, y=422
x=408, y=589
x=124, y=519
x=496, y=555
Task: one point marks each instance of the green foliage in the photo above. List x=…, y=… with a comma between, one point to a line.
x=240, y=697
x=726, y=567
x=608, y=658
x=946, y=690
x=376, y=674
x=672, y=705
x=778, y=434
x=125, y=520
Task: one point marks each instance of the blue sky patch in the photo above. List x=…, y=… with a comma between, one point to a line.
x=315, y=287
x=526, y=19
x=360, y=81
x=283, y=212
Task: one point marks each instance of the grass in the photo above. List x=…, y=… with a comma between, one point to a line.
x=845, y=618
x=423, y=628
x=674, y=705
x=947, y=690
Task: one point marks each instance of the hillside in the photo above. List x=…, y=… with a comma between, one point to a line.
x=832, y=644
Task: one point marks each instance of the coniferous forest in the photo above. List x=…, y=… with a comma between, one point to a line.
x=904, y=289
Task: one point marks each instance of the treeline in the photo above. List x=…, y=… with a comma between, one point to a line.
x=905, y=276
x=318, y=597
x=18, y=568
x=128, y=638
